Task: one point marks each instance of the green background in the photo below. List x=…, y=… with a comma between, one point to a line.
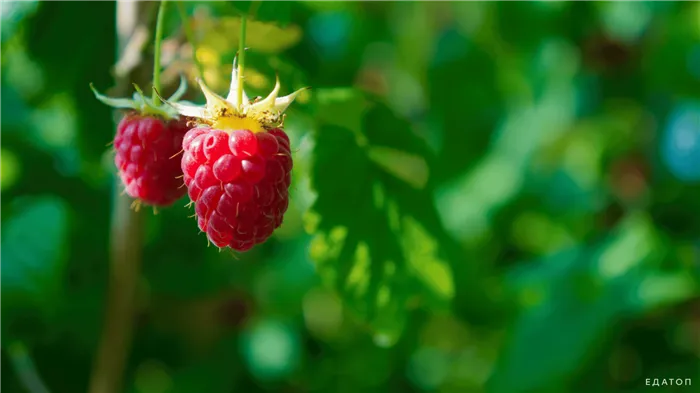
x=487, y=197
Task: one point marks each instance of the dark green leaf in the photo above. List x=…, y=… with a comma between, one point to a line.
x=374, y=240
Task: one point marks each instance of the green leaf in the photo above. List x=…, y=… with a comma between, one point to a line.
x=377, y=236
x=408, y=167
x=465, y=106
x=342, y=107
x=33, y=256
x=571, y=299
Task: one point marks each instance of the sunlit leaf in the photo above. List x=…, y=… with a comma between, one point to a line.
x=373, y=242
x=222, y=35
x=408, y=167
x=342, y=107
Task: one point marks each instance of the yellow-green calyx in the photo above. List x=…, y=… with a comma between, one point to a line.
x=145, y=105
x=236, y=111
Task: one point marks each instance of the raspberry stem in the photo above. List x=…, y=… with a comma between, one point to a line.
x=241, y=61
x=156, y=56
x=125, y=236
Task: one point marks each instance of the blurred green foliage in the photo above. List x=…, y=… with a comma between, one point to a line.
x=487, y=197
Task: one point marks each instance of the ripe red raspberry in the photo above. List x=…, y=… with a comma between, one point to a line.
x=237, y=164
x=146, y=149
x=239, y=183
x=148, y=139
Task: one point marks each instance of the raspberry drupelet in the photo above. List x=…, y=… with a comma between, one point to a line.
x=237, y=165
x=145, y=147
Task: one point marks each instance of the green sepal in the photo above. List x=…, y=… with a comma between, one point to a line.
x=120, y=103
x=142, y=104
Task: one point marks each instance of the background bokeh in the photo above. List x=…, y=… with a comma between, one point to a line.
x=487, y=197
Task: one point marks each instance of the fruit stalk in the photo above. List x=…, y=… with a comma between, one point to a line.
x=241, y=60
x=125, y=236
x=156, y=55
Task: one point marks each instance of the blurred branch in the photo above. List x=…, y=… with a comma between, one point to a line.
x=133, y=19
x=131, y=56
x=24, y=366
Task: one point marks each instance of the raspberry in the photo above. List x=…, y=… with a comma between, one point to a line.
x=148, y=138
x=238, y=182
x=145, y=149
x=237, y=165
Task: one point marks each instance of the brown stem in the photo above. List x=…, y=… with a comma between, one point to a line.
x=126, y=227
x=121, y=307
